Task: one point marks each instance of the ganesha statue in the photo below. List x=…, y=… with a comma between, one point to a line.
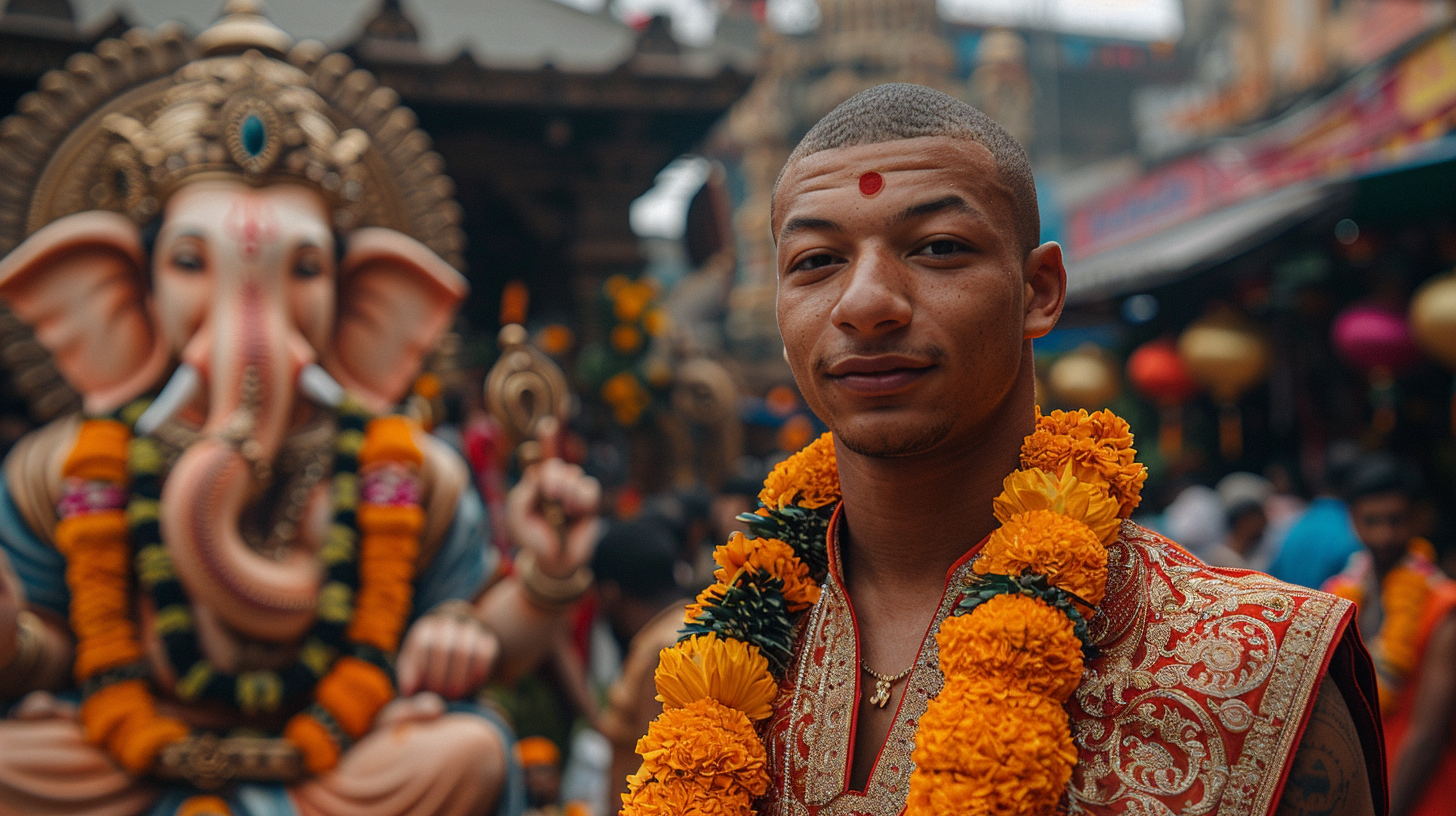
x=237, y=582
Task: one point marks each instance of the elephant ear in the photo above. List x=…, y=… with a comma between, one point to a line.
x=80, y=282
x=396, y=298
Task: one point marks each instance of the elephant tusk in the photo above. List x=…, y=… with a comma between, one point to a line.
x=320, y=386
x=176, y=393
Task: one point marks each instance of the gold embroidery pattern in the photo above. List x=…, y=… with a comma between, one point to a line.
x=1191, y=705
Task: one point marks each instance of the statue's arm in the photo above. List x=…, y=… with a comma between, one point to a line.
x=1328, y=776
x=35, y=643
x=1431, y=717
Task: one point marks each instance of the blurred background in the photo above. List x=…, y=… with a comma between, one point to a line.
x=1254, y=197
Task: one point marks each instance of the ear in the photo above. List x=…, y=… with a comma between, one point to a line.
x=396, y=298
x=1046, y=289
x=80, y=282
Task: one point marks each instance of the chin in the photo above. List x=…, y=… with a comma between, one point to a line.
x=892, y=439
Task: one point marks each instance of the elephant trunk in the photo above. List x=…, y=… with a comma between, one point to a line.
x=250, y=359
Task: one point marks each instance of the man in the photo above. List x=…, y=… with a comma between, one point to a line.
x=1405, y=609
x=911, y=282
x=1322, y=540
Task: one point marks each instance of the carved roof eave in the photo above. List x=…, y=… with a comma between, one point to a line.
x=30, y=46
x=643, y=82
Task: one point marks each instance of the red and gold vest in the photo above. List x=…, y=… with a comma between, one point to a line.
x=1192, y=704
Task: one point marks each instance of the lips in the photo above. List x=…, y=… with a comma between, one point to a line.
x=879, y=376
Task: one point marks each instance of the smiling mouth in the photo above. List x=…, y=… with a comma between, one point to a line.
x=879, y=378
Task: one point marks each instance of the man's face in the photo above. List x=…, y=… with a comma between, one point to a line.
x=905, y=313
x=1384, y=523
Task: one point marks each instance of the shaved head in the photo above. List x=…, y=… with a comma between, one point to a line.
x=894, y=111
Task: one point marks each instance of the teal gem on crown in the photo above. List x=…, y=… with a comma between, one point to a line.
x=254, y=135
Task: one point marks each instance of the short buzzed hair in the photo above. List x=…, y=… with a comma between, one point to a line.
x=899, y=110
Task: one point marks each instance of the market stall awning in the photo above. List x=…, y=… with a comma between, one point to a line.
x=1198, y=244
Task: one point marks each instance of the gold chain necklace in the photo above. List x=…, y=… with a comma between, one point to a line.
x=883, y=682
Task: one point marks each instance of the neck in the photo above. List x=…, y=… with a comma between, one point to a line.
x=907, y=520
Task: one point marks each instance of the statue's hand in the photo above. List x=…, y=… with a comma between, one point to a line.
x=12, y=601
x=554, y=512
x=449, y=652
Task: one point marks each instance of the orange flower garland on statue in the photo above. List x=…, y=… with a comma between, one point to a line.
x=997, y=739
x=119, y=713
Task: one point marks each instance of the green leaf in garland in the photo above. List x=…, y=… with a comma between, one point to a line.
x=752, y=610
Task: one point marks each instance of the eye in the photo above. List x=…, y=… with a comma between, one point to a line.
x=943, y=248
x=309, y=264
x=188, y=258
x=819, y=261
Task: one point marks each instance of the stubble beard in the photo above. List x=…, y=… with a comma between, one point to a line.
x=908, y=442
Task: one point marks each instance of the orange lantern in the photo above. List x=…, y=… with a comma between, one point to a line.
x=1158, y=373
x=1228, y=355
x=1084, y=377
x=1433, y=321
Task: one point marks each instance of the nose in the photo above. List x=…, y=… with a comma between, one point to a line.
x=874, y=300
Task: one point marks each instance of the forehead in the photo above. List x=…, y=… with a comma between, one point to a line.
x=910, y=167
x=215, y=205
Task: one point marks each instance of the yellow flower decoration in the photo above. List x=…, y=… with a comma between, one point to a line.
x=1013, y=641
x=625, y=338
x=773, y=557
x=710, y=596
x=723, y=669
x=1097, y=448
x=707, y=743
x=648, y=797
x=1036, y=489
x=809, y=478
x=980, y=749
x=1042, y=542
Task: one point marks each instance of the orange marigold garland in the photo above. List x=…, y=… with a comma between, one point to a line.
x=118, y=711
x=997, y=738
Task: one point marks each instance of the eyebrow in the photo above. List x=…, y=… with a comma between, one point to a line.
x=950, y=202
x=798, y=224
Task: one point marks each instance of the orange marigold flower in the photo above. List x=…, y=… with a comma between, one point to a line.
x=1037, y=489
x=1096, y=447
x=724, y=669
x=710, y=596
x=1042, y=542
x=1013, y=641
x=773, y=557
x=809, y=478
x=707, y=744
x=984, y=751
x=649, y=797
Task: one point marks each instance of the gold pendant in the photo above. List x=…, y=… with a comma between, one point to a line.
x=881, y=695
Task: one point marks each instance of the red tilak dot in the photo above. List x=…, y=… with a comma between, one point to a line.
x=871, y=183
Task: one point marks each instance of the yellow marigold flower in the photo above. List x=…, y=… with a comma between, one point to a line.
x=723, y=669
x=809, y=478
x=1015, y=641
x=708, y=744
x=1037, y=489
x=649, y=797
x=1097, y=448
x=773, y=557
x=983, y=751
x=710, y=596
x=1041, y=542
x=625, y=338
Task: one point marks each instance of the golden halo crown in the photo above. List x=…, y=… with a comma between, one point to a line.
x=124, y=127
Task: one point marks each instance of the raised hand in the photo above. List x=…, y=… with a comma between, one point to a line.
x=553, y=512
x=449, y=652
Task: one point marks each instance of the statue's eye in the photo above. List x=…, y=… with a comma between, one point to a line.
x=309, y=265
x=187, y=259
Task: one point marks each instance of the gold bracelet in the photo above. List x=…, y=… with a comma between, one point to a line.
x=547, y=591
x=458, y=609
x=29, y=638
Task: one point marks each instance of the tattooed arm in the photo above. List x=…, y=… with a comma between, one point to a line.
x=1431, y=717
x=1328, y=777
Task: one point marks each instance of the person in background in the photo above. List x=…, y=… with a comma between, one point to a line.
x=644, y=607
x=1196, y=520
x=1405, y=613
x=1319, y=544
x=1242, y=497
x=541, y=763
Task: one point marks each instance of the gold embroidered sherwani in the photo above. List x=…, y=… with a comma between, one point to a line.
x=1193, y=702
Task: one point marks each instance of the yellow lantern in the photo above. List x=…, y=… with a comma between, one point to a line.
x=1228, y=355
x=1433, y=318
x=1433, y=322
x=1084, y=377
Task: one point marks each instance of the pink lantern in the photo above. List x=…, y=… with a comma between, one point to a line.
x=1374, y=340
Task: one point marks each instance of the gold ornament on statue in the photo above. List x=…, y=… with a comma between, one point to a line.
x=1228, y=355
x=524, y=386
x=1084, y=378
